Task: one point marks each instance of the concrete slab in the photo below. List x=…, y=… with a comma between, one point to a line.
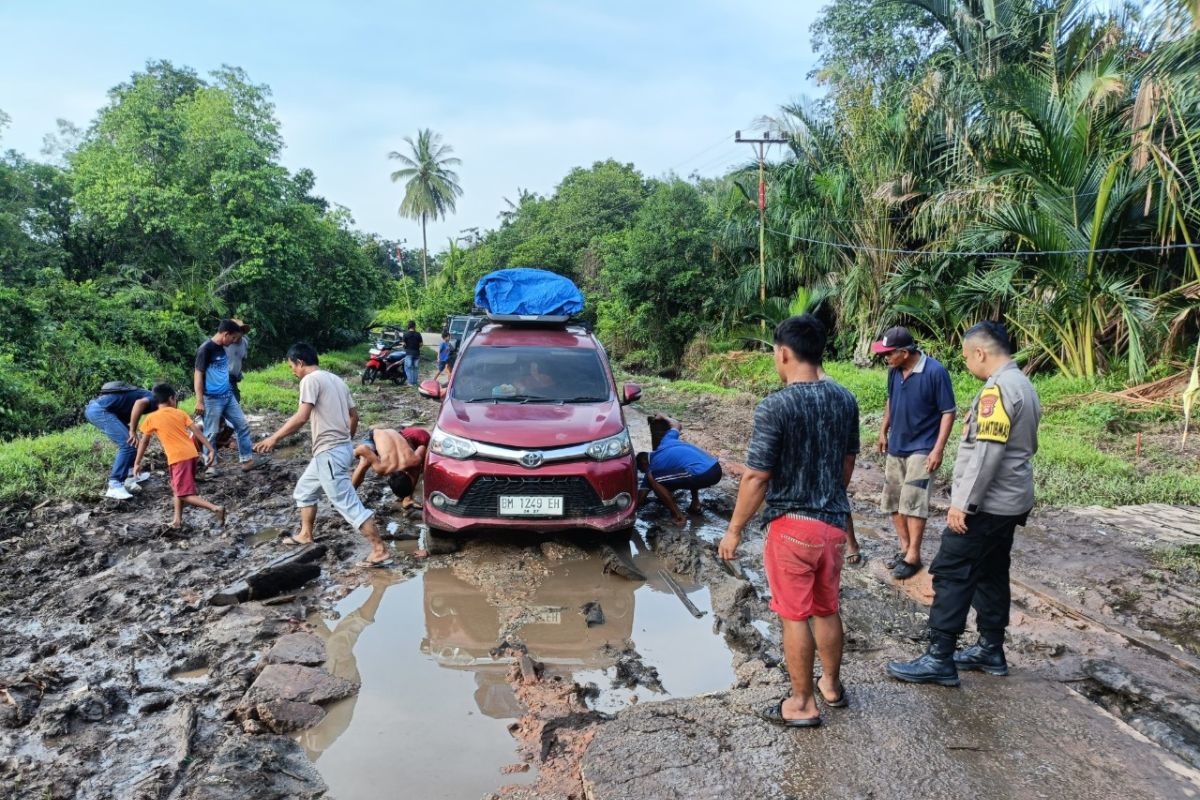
x=1018, y=737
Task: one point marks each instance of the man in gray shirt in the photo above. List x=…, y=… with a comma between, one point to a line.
x=992, y=494
x=325, y=400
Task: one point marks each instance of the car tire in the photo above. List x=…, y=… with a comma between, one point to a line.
x=439, y=543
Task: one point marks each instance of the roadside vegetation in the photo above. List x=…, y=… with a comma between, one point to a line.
x=71, y=463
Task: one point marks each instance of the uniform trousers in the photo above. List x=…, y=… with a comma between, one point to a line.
x=971, y=570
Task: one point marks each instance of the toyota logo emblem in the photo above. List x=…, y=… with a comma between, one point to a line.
x=531, y=460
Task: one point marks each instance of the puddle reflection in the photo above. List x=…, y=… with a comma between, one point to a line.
x=434, y=694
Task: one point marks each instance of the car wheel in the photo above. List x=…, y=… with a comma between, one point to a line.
x=438, y=543
x=368, y=376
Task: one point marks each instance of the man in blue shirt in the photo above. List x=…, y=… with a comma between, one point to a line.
x=214, y=392
x=916, y=425
x=674, y=465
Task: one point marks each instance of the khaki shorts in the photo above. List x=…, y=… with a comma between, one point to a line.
x=906, y=485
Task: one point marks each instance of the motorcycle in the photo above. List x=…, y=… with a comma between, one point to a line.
x=386, y=359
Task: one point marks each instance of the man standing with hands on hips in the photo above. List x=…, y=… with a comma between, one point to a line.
x=800, y=459
x=917, y=421
x=991, y=496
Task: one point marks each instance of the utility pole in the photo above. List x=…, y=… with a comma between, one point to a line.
x=761, y=147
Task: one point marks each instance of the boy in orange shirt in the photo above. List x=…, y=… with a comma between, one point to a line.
x=178, y=435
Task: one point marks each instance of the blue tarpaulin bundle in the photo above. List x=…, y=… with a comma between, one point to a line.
x=524, y=291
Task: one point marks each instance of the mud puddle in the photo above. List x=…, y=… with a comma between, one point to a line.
x=436, y=682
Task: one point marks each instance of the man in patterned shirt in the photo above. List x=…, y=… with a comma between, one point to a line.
x=801, y=456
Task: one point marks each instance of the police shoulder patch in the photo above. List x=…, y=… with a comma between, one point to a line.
x=994, y=424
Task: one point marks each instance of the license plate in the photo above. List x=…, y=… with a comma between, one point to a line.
x=530, y=506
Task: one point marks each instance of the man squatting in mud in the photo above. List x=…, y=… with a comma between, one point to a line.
x=992, y=494
x=326, y=402
x=398, y=455
x=674, y=465
x=801, y=455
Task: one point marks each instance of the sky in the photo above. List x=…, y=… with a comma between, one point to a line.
x=523, y=91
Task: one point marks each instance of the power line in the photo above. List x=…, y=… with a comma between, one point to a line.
x=988, y=253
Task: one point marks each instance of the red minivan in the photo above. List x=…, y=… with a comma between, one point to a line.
x=530, y=435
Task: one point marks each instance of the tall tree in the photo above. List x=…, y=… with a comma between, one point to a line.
x=431, y=186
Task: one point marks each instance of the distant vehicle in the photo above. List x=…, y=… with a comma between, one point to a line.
x=531, y=434
x=385, y=359
x=461, y=326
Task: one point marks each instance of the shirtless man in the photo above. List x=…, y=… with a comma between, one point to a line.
x=398, y=456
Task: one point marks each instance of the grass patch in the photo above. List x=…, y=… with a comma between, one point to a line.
x=1183, y=559
x=74, y=463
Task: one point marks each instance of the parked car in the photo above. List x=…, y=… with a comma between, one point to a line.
x=531, y=434
x=461, y=326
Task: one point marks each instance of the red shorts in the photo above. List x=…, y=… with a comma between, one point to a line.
x=803, y=559
x=183, y=477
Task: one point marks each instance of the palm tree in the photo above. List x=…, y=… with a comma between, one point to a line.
x=431, y=185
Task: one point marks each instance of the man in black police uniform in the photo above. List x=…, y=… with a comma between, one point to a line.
x=992, y=494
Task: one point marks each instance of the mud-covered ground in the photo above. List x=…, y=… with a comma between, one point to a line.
x=120, y=680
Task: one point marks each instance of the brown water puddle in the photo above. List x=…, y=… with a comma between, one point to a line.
x=435, y=703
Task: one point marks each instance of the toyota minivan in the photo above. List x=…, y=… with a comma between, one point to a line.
x=531, y=434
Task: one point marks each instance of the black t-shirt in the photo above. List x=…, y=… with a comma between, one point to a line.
x=802, y=434
x=120, y=404
x=412, y=343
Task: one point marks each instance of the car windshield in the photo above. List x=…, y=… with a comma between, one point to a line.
x=488, y=373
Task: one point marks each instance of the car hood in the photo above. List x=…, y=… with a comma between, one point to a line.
x=531, y=425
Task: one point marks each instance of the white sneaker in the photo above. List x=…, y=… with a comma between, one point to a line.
x=118, y=493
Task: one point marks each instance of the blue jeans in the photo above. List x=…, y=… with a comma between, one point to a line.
x=411, y=373
x=226, y=407
x=98, y=414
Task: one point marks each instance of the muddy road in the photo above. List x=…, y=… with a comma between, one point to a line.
x=555, y=668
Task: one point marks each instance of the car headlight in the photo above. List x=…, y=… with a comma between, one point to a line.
x=612, y=447
x=444, y=444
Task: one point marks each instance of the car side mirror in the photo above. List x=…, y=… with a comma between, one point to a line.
x=630, y=392
x=431, y=389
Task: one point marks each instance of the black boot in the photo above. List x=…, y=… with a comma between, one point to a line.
x=936, y=666
x=986, y=655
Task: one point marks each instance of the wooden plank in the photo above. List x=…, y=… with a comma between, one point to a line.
x=1180, y=658
x=680, y=593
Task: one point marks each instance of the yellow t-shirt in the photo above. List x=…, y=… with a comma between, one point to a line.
x=172, y=426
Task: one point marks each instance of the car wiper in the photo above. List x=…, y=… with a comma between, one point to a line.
x=584, y=399
x=523, y=398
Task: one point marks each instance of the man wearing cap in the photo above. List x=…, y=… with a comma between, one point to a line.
x=916, y=425
x=992, y=494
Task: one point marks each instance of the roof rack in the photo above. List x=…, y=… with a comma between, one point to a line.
x=530, y=319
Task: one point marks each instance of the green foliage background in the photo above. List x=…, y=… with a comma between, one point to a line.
x=168, y=213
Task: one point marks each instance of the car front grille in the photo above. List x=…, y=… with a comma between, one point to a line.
x=482, y=498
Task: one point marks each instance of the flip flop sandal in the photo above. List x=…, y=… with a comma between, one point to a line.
x=292, y=541
x=854, y=559
x=841, y=701
x=774, y=715
x=387, y=562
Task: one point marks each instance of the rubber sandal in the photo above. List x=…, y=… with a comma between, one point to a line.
x=387, y=562
x=774, y=715
x=292, y=541
x=841, y=701
x=854, y=559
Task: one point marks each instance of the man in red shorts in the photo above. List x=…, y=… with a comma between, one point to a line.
x=801, y=455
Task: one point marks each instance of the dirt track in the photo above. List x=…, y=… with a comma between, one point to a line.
x=121, y=681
